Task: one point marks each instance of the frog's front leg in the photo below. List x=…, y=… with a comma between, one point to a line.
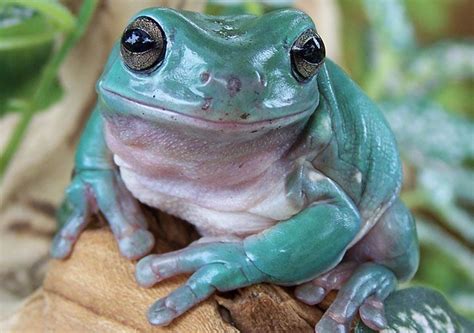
x=291, y=252
x=97, y=186
x=313, y=292
x=215, y=266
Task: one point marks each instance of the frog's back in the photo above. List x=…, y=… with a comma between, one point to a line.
x=362, y=156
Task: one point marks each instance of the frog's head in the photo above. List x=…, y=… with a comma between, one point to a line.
x=223, y=72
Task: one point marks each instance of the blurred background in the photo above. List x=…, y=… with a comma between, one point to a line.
x=415, y=58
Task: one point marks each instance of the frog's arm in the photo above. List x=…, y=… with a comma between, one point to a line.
x=312, y=241
x=97, y=186
x=92, y=151
x=291, y=252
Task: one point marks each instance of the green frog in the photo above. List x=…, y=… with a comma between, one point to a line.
x=241, y=126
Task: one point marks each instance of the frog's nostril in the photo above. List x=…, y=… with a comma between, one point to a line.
x=205, y=77
x=207, y=103
x=233, y=85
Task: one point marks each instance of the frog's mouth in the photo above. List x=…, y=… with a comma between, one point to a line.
x=128, y=105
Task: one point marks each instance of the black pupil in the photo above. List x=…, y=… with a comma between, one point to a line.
x=313, y=51
x=137, y=40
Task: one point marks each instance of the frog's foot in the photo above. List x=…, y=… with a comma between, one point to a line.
x=313, y=292
x=365, y=292
x=102, y=190
x=216, y=266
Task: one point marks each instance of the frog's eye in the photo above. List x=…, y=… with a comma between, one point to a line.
x=143, y=44
x=307, y=55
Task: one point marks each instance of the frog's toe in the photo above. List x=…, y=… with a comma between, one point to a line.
x=160, y=314
x=365, y=292
x=332, y=324
x=199, y=286
x=155, y=268
x=310, y=294
x=313, y=292
x=372, y=313
x=73, y=216
x=146, y=273
x=137, y=244
x=65, y=239
x=61, y=247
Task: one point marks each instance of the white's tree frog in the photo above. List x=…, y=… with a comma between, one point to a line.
x=242, y=127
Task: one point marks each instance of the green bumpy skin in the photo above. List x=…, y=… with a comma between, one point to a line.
x=222, y=108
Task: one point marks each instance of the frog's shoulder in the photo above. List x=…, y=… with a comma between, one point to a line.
x=362, y=156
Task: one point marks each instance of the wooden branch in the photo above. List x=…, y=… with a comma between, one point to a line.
x=95, y=291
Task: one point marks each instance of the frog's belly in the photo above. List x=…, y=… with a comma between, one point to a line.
x=214, y=211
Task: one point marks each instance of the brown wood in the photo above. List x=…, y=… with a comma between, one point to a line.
x=95, y=291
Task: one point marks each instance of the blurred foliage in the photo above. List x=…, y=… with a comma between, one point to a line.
x=28, y=33
x=426, y=94
x=26, y=43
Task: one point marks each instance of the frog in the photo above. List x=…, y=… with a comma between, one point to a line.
x=241, y=126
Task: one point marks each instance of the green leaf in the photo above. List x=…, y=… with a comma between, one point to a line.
x=243, y=7
x=57, y=14
x=420, y=309
x=456, y=97
x=459, y=255
x=17, y=97
x=439, y=145
x=47, y=80
x=34, y=30
x=354, y=39
x=393, y=29
x=26, y=43
x=391, y=41
x=437, y=66
x=431, y=18
x=254, y=8
x=427, y=133
x=446, y=264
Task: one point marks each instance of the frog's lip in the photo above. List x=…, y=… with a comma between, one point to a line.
x=176, y=116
